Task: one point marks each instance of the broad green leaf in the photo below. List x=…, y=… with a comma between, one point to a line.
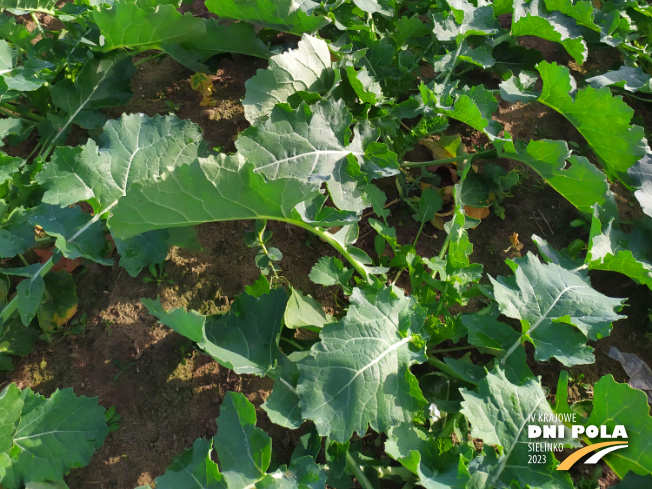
x=627, y=77
x=15, y=340
x=20, y=7
x=303, y=311
x=126, y=25
x=574, y=177
x=9, y=125
x=102, y=82
x=193, y=469
x=531, y=19
x=53, y=436
x=244, y=451
x=187, y=323
x=313, y=143
x=303, y=473
x=29, y=293
x=618, y=404
x=236, y=37
x=77, y=233
x=592, y=111
x=437, y=464
x=486, y=332
x=306, y=68
x=142, y=250
x=282, y=15
x=520, y=88
x=59, y=303
x=133, y=148
x=551, y=303
x=614, y=250
x=358, y=374
x=219, y=188
x=330, y=270
x=580, y=10
x=634, y=481
x=499, y=413
x=466, y=20
x=641, y=174
x=245, y=339
x=282, y=405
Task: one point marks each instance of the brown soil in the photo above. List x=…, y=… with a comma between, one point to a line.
x=168, y=394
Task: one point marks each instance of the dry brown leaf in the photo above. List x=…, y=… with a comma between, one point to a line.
x=476, y=212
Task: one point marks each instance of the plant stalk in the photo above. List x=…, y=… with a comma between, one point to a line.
x=357, y=472
x=443, y=161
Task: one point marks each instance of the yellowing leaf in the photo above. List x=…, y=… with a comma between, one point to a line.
x=476, y=212
x=444, y=147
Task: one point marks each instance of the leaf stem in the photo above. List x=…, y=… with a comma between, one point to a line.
x=149, y=58
x=357, y=472
x=13, y=111
x=456, y=348
x=443, y=161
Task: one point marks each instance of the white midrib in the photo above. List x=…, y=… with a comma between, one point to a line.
x=317, y=153
x=509, y=451
x=389, y=350
x=275, y=475
x=536, y=325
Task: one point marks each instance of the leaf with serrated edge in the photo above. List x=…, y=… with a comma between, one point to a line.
x=193, y=469
x=549, y=300
x=306, y=68
x=498, y=413
x=591, y=111
x=358, y=374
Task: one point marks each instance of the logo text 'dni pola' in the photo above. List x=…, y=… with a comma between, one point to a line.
x=555, y=427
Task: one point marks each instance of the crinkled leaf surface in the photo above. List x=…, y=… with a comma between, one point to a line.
x=603, y=120
x=358, y=374
x=551, y=302
x=498, y=412
x=133, y=148
x=53, y=435
x=466, y=20
x=574, y=177
x=282, y=405
x=244, y=451
x=313, y=143
x=102, y=82
x=306, y=68
x=282, y=15
x=303, y=473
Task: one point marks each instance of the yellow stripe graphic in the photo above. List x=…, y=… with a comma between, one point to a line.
x=574, y=457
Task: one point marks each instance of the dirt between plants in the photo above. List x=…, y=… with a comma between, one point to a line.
x=167, y=393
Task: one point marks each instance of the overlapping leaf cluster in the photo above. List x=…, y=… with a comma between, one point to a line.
x=364, y=83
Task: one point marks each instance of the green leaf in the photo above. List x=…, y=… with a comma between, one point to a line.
x=282, y=15
x=304, y=312
x=627, y=77
x=641, y=174
x=9, y=125
x=59, y=303
x=531, y=19
x=312, y=143
x=142, y=250
x=551, y=302
x=306, y=68
x=282, y=405
x=133, y=148
x=485, y=331
x=499, y=413
x=574, y=177
x=187, y=323
x=303, y=473
x=614, y=250
x=591, y=111
x=245, y=339
x=15, y=340
x=102, y=82
x=126, y=25
x=219, y=188
x=466, y=20
x=618, y=404
x=237, y=435
x=330, y=270
x=20, y=7
x=77, y=233
x=29, y=293
x=358, y=374
x=53, y=435
x=193, y=469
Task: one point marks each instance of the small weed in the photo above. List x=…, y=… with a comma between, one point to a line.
x=112, y=419
x=123, y=367
x=172, y=107
x=157, y=275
